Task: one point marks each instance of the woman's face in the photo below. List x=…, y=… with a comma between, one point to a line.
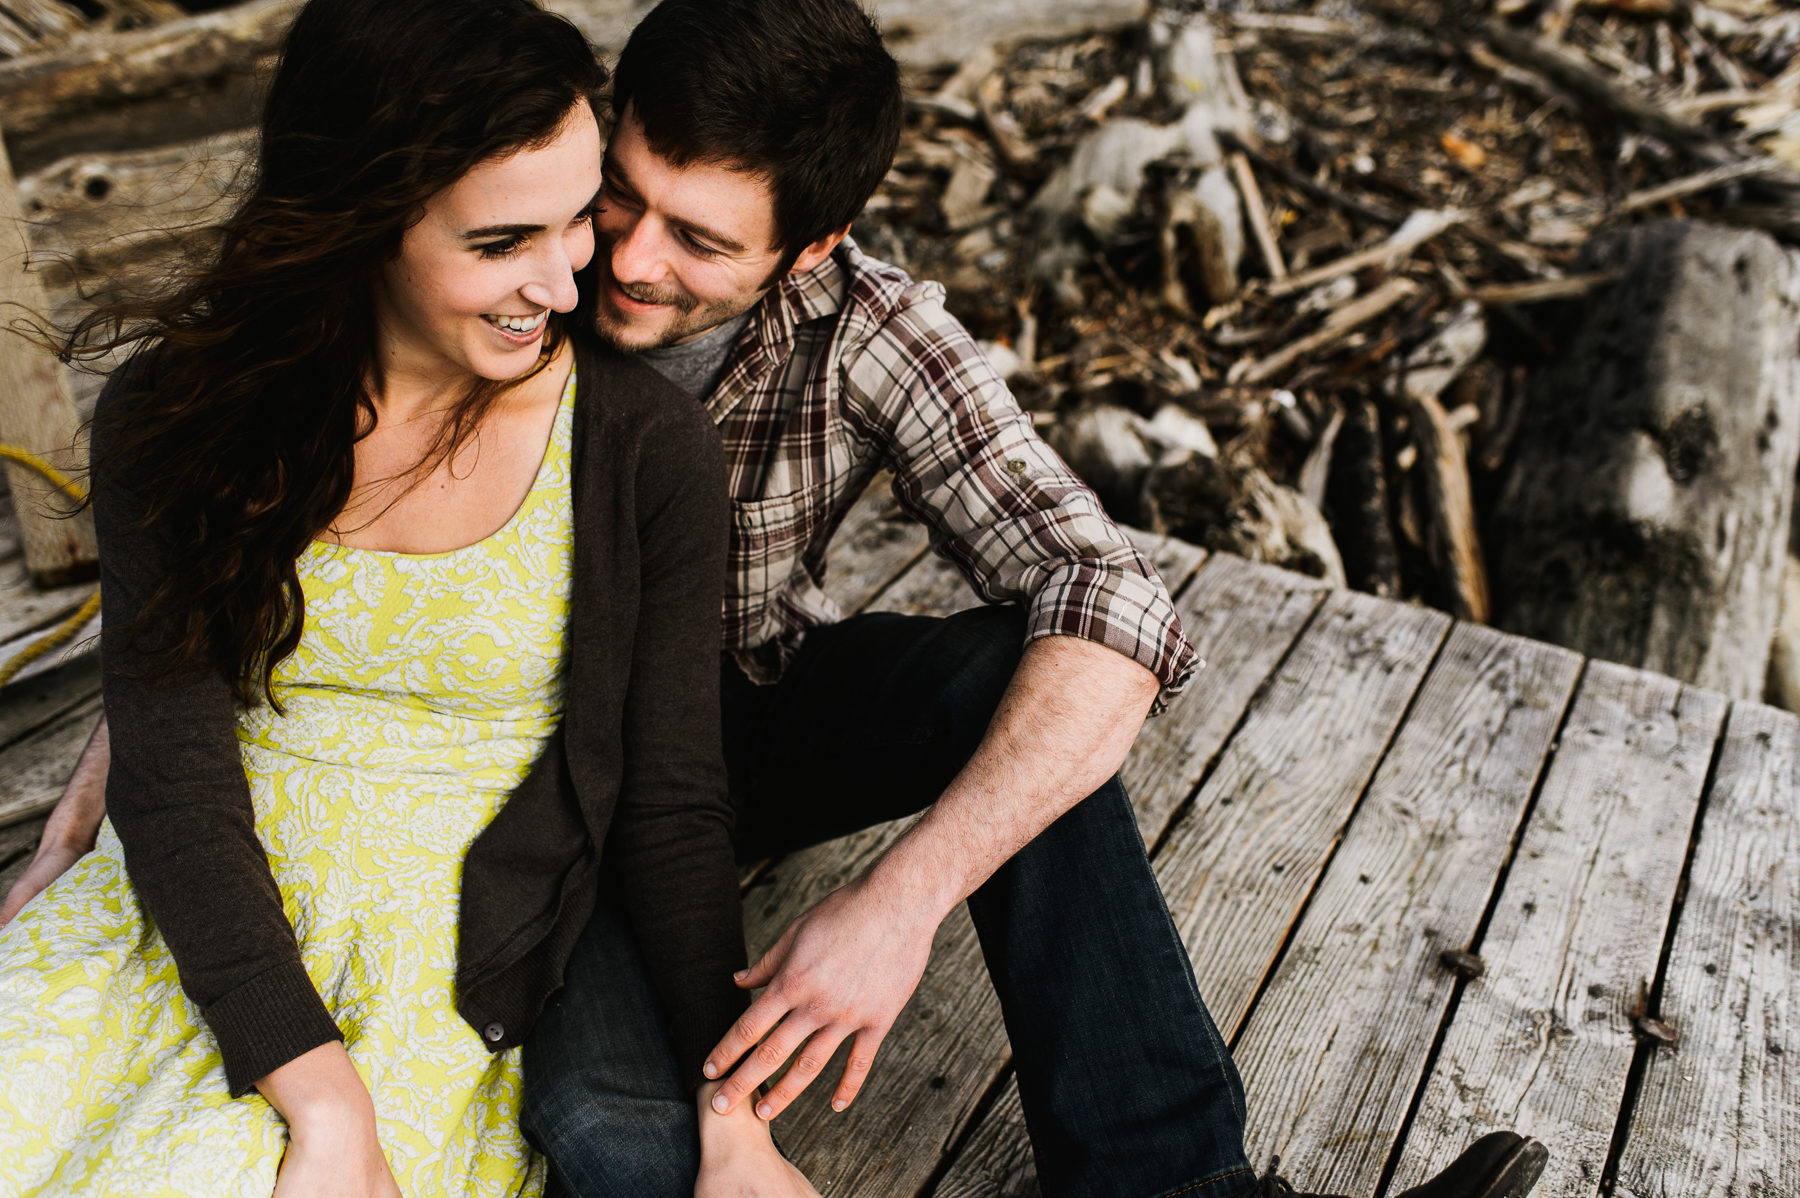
x=476, y=278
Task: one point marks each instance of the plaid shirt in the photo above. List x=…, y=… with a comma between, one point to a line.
x=852, y=368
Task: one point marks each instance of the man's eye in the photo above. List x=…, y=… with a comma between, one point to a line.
x=504, y=248
x=700, y=247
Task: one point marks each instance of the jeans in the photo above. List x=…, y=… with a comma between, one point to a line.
x=1127, y=1087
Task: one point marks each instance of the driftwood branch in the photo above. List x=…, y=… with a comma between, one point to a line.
x=1337, y=326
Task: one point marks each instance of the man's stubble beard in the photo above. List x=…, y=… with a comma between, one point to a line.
x=690, y=320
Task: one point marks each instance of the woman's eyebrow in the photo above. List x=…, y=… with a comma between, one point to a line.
x=502, y=231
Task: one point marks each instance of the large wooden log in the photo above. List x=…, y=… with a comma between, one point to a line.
x=37, y=413
x=1646, y=514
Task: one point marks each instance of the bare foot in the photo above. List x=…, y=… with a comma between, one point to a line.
x=739, y=1160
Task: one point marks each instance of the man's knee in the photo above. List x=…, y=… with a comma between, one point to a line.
x=980, y=650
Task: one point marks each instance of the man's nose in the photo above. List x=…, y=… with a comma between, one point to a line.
x=637, y=253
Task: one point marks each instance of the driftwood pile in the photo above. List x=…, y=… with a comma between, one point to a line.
x=1311, y=285
x=1325, y=286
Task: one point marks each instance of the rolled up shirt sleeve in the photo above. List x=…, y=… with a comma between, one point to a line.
x=999, y=502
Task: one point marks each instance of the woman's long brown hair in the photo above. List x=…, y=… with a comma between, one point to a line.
x=239, y=432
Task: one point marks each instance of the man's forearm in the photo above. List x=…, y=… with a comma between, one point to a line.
x=1064, y=726
x=74, y=822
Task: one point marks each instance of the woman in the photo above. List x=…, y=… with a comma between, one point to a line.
x=411, y=607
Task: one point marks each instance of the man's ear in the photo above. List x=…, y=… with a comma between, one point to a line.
x=818, y=251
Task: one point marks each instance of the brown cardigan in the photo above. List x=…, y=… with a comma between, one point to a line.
x=636, y=765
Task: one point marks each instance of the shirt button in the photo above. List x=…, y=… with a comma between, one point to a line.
x=494, y=1032
x=1016, y=466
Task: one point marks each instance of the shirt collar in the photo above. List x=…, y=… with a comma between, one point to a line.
x=798, y=299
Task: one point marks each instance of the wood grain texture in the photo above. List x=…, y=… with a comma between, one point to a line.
x=1719, y=1114
x=875, y=545
x=18, y=844
x=1241, y=862
x=1241, y=617
x=1542, y=1043
x=939, y=1059
x=933, y=587
x=25, y=608
x=34, y=771
x=28, y=704
x=1337, y=1045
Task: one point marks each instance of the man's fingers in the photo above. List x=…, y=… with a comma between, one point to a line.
x=750, y=1027
x=767, y=966
x=762, y=1061
x=815, y=1054
x=856, y=1069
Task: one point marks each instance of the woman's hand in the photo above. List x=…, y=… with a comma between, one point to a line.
x=738, y=1158
x=332, y=1148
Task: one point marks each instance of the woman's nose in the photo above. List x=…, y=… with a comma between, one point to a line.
x=555, y=289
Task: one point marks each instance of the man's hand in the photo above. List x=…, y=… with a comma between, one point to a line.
x=69, y=834
x=844, y=968
x=333, y=1151
x=847, y=966
x=738, y=1158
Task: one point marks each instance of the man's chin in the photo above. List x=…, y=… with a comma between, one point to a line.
x=627, y=338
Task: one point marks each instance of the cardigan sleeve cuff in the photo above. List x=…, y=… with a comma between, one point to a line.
x=695, y=1031
x=267, y=1022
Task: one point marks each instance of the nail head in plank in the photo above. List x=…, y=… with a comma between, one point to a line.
x=937, y=1062
x=34, y=771
x=1542, y=1043
x=1240, y=864
x=1719, y=1113
x=1335, y=1049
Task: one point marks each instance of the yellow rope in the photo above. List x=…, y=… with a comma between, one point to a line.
x=69, y=627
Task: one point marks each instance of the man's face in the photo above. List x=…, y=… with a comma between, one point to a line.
x=681, y=250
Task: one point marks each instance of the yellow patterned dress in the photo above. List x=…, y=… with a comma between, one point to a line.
x=423, y=688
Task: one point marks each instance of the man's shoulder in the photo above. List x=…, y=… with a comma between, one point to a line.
x=884, y=305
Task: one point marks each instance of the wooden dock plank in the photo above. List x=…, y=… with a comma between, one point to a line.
x=938, y=1060
x=1242, y=618
x=1542, y=1044
x=1240, y=864
x=17, y=845
x=875, y=545
x=1719, y=1113
x=1336, y=1047
x=27, y=704
x=34, y=770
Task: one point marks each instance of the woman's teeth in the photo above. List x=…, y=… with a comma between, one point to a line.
x=518, y=324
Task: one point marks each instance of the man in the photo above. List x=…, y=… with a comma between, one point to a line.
x=750, y=133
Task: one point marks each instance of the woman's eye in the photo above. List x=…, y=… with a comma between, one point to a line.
x=501, y=249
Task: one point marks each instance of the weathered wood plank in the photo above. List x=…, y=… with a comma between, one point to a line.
x=24, y=608
x=933, y=587
x=938, y=1060
x=18, y=844
x=34, y=771
x=1335, y=1049
x=1241, y=617
x=1241, y=862
x=1239, y=865
x=28, y=704
x=1719, y=1114
x=875, y=545
x=1542, y=1043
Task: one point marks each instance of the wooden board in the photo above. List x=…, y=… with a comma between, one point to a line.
x=932, y=587
x=875, y=544
x=27, y=704
x=1542, y=1044
x=25, y=608
x=34, y=771
x=1334, y=1052
x=1275, y=799
x=1719, y=1114
x=1240, y=864
x=939, y=1059
x=1242, y=618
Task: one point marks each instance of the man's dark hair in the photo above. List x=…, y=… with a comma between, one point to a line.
x=800, y=91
